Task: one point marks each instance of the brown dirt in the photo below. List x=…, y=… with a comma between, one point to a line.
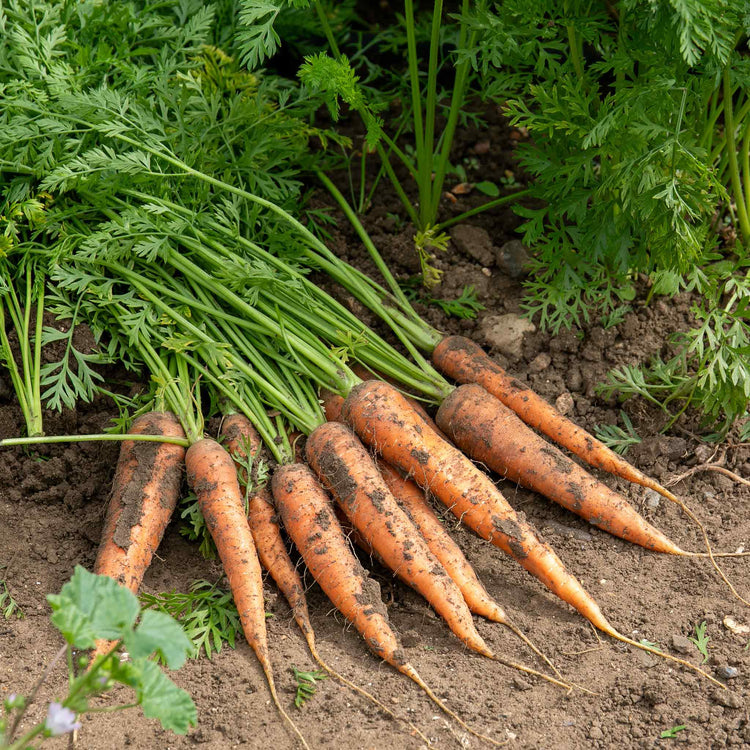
x=52, y=504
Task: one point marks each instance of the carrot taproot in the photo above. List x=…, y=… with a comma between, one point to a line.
x=410, y=496
x=466, y=362
x=345, y=468
x=145, y=491
x=308, y=517
x=385, y=421
x=242, y=441
x=488, y=431
x=213, y=478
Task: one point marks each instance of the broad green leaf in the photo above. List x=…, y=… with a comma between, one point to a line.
x=158, y=631
x=488, y=188
x=90, y=606
x=161, y=699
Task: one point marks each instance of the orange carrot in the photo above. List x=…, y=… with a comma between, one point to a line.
x=213, y=478
x=308, y=517
x=412, y=499
x=144, y=494
x=488, y=431
x=466, y=362
x=384, y=420
x=341, y=462
x=241, y=440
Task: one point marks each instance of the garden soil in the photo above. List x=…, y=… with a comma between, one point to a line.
x=53, y=500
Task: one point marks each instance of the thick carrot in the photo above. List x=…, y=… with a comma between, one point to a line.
x=488, y=431
x=145, y=491
x=344, y=466
x=466, y=362
x=308, y=517
x=384, y=420
x=411, y=498
x=213, y=478
x=241, y=440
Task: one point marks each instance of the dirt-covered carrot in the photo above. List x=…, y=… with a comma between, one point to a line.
x=213, y=478
x=412, y=499
x=145, y=491
x=488, y=431
x=242, y=441
x=308, y=517
x=384, y=420
x=344, y=466
x=464, y=361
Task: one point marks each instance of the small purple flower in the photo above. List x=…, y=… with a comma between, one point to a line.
x=60, y=720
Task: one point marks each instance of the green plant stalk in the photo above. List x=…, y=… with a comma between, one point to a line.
x=729, y=127
x=90, y=438
x=495, y=203
x=26, y=381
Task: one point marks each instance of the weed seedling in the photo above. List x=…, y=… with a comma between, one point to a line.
x=670, y=734
x=701, y=640
x=306, y=685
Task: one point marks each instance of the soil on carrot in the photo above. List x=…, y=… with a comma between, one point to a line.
x=53, y=501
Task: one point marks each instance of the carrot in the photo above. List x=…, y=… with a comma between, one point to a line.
x=241, y=440
x=466, y=362
x=144, y=494
x=213, y=478
x=343, y=465
x=308, y=517
x=488, y=431
x=384, y=420
x=412, y=499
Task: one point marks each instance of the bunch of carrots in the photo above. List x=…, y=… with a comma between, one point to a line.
x=272, y=342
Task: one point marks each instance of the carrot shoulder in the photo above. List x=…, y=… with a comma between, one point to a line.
x=344, y=466
x=464, y=361
x=490, y=432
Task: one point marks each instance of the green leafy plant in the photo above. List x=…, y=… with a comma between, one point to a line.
x=466, y=306
x=307, y=683
x=701, y=640
x=672, y=732
x=88, y=608
x=8, y=605
x=617, y=438
x=207, y=615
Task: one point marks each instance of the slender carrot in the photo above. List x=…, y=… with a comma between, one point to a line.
x=213, y=478
x=308, y=517
x=411, y=498
x=145, y=491
x=344, y=466
x=488, y=431
x=384, y=420
x=466, y=362
x=241, y=440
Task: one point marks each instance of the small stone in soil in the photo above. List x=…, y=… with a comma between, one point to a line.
x=725, y=672
x=682, y=645
x=521, y=684
x=646, y=660
x=513, y=258
x=541, y=362
x=727, y=699
x=505, y=333
x=652, y=500
x=564, y=403
x=474, y=242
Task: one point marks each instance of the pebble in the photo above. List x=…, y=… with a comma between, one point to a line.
x=513, y=258
x=595, y=733
x=541, y=362
x=52, y=556
x=682, y=645
x=646, y=660
x=564, y=403
x=505, y=333
x=725, y=672
x=651, y=498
